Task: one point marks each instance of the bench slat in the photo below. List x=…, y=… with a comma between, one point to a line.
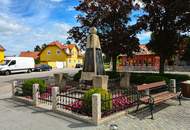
x=160, y=97
x=151, y=85
x=166, y=97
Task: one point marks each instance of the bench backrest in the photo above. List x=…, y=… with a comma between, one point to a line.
x=150, y=85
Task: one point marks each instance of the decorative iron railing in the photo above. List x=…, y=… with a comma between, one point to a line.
x=118, y=100
x=46, y=96
x=73, y=101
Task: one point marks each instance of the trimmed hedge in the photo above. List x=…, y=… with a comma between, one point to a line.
x=105, y=97
x=113, y=74
x=140, y=78
x=28, y=86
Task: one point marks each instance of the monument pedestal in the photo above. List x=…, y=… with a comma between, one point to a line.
x=100, y=81
x=87, y=76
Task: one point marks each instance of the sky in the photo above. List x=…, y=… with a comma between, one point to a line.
x=27, y=23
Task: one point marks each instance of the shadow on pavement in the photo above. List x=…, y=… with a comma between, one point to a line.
x=144, y=113
x=36, y=110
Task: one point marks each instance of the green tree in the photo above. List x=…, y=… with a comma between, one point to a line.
x=68, y=42
x=44, y=46
x=37, y=48
x=111, y=18
x=186, y=55
x=167, y=20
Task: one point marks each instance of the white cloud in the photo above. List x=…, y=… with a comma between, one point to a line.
x=144, y=36
x=5, y=2
x=9, y=26
x=63, y=26
x=22, y=28
x=56, y=0
x=139, y=2
x=70, y=8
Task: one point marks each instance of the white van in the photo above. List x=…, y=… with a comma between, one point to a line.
x=17, y=64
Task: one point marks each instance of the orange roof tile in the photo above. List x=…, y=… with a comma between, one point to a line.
x=2, y=48
x=58, y=44
x=34, y=55
x=62, y=46
x=71, y=46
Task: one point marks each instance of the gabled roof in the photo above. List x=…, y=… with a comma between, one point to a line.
x=34, y=55
x=71, y=46
x=58, y=44
x=2, y=48
x=63, y=47
x=55, y=43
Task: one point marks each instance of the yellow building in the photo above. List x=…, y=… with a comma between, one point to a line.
x=58, y=55
x=2, y=54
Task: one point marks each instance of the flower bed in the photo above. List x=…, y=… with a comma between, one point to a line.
x=119, y=101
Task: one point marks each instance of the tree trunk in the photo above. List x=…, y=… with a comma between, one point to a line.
x=162, y=63
x=114, y=63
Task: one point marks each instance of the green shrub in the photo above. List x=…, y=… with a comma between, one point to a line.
x=105, y=97
x=140, y=78
x=77, y=76
x=145, y=78
x=28, y=86
x=106, y=66
x=112, y=74
x=178, y=77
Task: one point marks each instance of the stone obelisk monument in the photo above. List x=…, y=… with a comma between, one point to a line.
x=93, y=63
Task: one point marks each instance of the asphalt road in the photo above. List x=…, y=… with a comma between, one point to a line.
x=6, y=80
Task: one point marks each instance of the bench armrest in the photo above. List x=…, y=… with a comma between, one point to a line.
x=150, y=100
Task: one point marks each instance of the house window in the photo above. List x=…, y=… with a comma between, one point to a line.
x=49, y=52
x=69, y=61
x=58, y=52
x=78, y=61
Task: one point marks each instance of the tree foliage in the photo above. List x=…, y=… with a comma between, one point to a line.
x=167, y=20
x=111, y=18
x=39, y=48
x=186, y=55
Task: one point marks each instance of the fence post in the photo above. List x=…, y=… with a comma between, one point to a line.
x=96, y=108
x=125, y=80
x=55, y=91
x=173, y=85
x=14, y=84
x=35, y=94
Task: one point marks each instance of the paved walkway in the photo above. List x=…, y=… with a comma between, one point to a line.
x=18, y=116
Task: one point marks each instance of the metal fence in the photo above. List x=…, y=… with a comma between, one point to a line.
x=73, y=101
x=118, y=100
x=45, y=97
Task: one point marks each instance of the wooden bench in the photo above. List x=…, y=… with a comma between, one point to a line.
x=144, y=96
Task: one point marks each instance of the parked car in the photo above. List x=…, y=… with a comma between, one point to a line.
x=17, y=64
x=78, y=66
x=42, y=67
